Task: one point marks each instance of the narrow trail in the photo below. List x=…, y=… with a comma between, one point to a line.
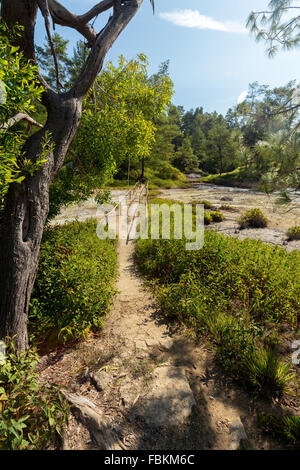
x=155, y=385
x=172, y=390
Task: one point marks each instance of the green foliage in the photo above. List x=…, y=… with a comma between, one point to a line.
x=254, y=218
x=74, y=286
x=166, y=176
x=286, y=428
x=185, y=159
x=229, y=289
x=32, y=415
x=46, y=60
x=260, y=278
x=293, y=233
x=268, y=120
x=213, y=141
x=207, y=218
x=276, y=26
x=217, y=216
x=232, y=178
x=267, y=373
x=116, y=126
x=23, y=91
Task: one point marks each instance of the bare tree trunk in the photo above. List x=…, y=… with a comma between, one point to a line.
x=27, y=203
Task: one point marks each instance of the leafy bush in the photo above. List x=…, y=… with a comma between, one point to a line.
x=293, y=233
x=32, y=415
x=228, y=290
x=261, y=279
x=207, y=218
x=253, y=218
x=75, y=284
x=217, y=216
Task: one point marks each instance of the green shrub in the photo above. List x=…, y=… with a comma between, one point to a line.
x=286, y=428
x=217, y=216
x=253, y=218
x=207, y=204
x=207, y=218
x=74, y=287
x=229, y=289
x=261, y=279
x=32, y=415
x=293, y=233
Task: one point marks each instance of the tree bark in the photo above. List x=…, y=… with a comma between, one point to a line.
x=23, y=222
x=27, y=203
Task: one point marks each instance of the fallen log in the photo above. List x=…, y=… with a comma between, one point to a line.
x=94, y=420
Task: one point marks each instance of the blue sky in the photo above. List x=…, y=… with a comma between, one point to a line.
x=212, y=57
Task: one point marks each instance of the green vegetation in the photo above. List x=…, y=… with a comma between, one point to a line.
x=254, y=218
x=32, y=415
x=22, y=93
x=74, y=286
x=217, y=216
x=166, y=177
x=286, y=428
x=293, y=233
x=231, y=178
x=116, y=132
x=228, y=290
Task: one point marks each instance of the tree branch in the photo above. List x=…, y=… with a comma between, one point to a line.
x=44, y=7
x=60, y=15
x=115, y=25
x=20, y=117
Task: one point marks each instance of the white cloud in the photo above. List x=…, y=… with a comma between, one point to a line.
x=193, y=19
x=242, y=97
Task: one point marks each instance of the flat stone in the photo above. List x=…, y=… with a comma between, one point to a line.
x=100, y=380
x=169, y=401
x=237, y=434
x=166, y=343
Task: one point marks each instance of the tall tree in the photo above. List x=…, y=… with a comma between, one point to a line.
x=47, y=63
x=27, y=202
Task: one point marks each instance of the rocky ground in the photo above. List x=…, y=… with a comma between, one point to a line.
x=235, y=201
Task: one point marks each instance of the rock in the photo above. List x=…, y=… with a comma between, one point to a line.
x=237, y=434
x=169, y=401
x=151, y=342
x=127, y=394
x=100, y=380
x=140, y=345
x=166, y=343
x=226, y=198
